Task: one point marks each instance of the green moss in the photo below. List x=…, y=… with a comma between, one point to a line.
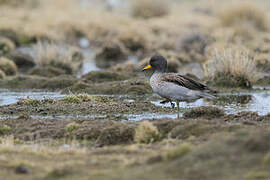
x=33, y=102
x=177, y=152
x=72, y=127
x=71, y=99
x=29, y=101
x=146, y=132
x=103, y=99
x=77, y=98
x=4, y=129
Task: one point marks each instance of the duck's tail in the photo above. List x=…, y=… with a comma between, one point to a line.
x=209, y=93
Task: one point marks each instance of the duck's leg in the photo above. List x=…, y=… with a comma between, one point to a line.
x=178, y=110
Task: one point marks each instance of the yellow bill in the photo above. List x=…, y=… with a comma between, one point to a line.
x=147, y=67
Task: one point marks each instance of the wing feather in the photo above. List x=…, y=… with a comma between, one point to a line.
x=185, y=82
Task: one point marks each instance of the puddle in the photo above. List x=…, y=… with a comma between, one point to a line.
x=150, y=116
x=8, y=97
x=233, y=103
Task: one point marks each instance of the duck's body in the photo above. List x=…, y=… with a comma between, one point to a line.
x=174, y=89
x=173, y=86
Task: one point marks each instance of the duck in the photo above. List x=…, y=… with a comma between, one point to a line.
x=175, y=87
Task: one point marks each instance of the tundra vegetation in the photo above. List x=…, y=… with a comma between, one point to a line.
x=47, y=45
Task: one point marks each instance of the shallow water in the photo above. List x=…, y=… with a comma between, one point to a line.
x=9, y=97
x=231, y=102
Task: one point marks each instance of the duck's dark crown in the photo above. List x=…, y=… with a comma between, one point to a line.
x=158, y=63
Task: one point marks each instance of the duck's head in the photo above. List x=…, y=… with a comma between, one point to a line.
x=158, y=63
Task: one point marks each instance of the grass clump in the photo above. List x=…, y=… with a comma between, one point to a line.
x=178, y=152
x=207, y=112
x=6, y=45
x=4, y=129
x=59, y=56
x=2, y=74
x=150, y=8
x=244, y=13
x=8, y=66
x=103, y=76
x=80, y=98
x=146, y=132
x=72, y=127
x=29, y=101
x=35, y=102
x=103, y=99
x=231, y=68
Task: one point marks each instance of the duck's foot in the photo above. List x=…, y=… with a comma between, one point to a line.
x=168, y=101
x=172, y=104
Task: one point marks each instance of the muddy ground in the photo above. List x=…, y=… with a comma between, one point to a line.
x=204, y=144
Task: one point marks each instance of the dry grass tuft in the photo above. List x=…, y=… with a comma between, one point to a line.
x=59, y=56
x=6, y=45
x=2, y=74
x=150, y=8
x=72, y=127
x=244, y=13
x=231, y=68
x=263, y=61
x=8, y=66
x=178, y=152
x=146, y=132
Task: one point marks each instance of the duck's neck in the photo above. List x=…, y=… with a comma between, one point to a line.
x=160, y=71
x=156, y=74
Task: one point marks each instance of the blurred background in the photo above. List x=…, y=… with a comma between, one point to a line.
x=50, y=38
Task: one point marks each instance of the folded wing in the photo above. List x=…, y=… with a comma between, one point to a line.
x=186, y=82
